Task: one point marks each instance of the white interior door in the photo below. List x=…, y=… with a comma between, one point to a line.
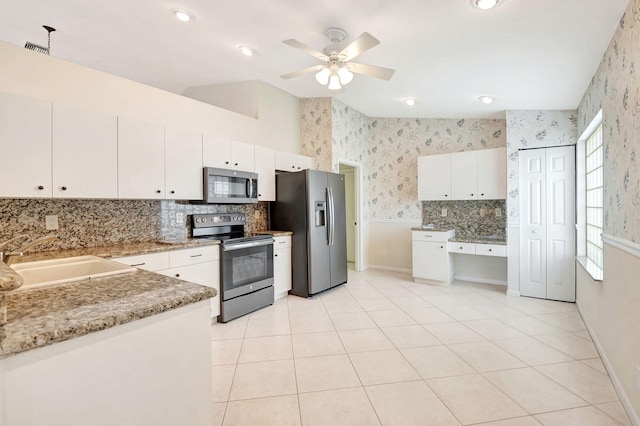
x=533, y=248
x=560, y=167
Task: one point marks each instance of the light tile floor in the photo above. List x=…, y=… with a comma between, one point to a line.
x=385, y=350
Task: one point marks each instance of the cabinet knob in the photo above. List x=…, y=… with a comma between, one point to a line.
x=482, y=194
x=293, y=167
x=259, y=195
x=298, y=167
x=173, y=192
x=235, y=164
x=177, y=275
x=158, y=191
x=445, y=195
x=460, y=248
x=275, y=255
x=226, y=162
x=40, y=187
x=441, y=246
x=490, y=249
x=64, y=188
x=472, y=195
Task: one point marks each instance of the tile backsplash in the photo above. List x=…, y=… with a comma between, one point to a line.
x=94, y=223
x=465, y=217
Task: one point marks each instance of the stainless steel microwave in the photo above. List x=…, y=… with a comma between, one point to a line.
x=222, y=186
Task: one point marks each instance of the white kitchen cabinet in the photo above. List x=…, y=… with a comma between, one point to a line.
x=25, y=147
x=469, y=175
x=227, y=154
x=199, y=265
x=183, y=165
x=464, y=175
x=497, y=250
x=85, y=153
x=434, y=177
x=290, y=162
x=140, y=159
x=492, y=174
x=464, y=248
x=281, y=266
x=266, y=169
x=431, y=259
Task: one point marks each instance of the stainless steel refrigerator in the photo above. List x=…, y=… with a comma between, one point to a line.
x=311, y=204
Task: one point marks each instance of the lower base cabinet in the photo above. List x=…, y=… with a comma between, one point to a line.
x=200, y=265
x=430, y=258
x=281, y=266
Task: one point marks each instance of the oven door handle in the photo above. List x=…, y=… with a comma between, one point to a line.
x=239, y=246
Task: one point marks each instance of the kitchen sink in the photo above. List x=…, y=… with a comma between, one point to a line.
x=48, y=272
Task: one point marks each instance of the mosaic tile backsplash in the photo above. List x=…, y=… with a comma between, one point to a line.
x=465, y=217
x=95, y=223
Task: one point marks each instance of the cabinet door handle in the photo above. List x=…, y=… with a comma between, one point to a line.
x=177, y=275
x=275, y=255
x=441, y=246
x=472, y=195
x=226, y=162
x=158, y=191
x=235, y=164
x=139, y=264
x=64, y=188
x=40, y=187
x=460, y=248
x=490, y=250
x=259, y=195
x=482, y=194
x=173, y=192
x=445, y=195
x=196, y=255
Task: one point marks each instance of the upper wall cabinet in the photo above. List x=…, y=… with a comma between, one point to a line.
x=227, y=154
x=469, y=175
x=183, y=165
x=434, y=177
x=290, y=162
x=140, y=159
x=265, y=168
x=85, y=153
x=25, y=147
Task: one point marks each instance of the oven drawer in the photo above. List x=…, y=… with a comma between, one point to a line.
x=465, y=248
x=148, y=262
x=192, y=256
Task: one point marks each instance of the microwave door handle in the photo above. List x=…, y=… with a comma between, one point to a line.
x=248, y=187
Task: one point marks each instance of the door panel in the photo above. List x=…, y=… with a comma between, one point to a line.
x=338, y=251
x=560, y=226
x=318, y=241
x=532, y=231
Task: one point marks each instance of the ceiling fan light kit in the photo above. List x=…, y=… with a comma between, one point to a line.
x=337, y=70
x=485, y=4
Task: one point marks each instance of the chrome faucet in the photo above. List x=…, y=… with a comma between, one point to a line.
x=6, y=256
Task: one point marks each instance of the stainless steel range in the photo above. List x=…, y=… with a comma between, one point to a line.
x=246, y=263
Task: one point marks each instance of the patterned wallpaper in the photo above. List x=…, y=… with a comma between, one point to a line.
x=615, y=88
x=315, y=131
x=395, y=145
x=533, y=129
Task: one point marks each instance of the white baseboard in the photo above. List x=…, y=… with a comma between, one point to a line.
x=480, y=280
x=624, y=398
x=431, y=282
x=513, y=293
x=389, y=268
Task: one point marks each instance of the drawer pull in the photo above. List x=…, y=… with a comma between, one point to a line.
x=275, y=255
x=490, y=249
x=139, y=264
x=196, y=255
x=177, y=275
x=441, y=246
x=460, y=248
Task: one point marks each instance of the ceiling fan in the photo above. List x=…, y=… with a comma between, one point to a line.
x=338, y=69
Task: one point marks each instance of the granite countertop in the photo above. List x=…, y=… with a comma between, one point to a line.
x=480, y=240
x=118, y=250
x=276, y=233
x=46, y=315
x=42, y=316
x=435, y=229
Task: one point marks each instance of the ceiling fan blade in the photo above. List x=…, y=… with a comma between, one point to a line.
x=302, y=71
x=306, y=49
x=370, y=70
x=363, y=43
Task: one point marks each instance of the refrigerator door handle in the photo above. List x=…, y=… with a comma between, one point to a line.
x=332, y=228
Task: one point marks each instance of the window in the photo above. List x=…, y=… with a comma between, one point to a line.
x=589, y=198
x=594, y=157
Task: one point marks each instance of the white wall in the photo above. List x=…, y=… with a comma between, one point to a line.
x=610, y=311
x=390, y=245
x=39, y=76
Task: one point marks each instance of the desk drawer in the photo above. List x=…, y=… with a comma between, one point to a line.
x=491, y=250
x=464, y=248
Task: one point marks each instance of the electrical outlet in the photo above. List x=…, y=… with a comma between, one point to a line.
x=482, y=212
x=51, y=222
x=179, y=218
x=498, y=212
x=444, y=212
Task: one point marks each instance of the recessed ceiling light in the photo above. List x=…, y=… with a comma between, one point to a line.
x=410, y=101
x=246, y=50
x=485, y=99
x=485, y=4
x=183, y=14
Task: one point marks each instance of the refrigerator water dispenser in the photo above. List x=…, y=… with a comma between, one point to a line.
x=320, y=213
